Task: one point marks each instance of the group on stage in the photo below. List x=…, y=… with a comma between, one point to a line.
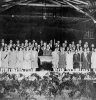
x=67, y=56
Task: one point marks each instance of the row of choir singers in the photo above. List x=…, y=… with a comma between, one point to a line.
x=71, y=60
x=20, y=59
x=60, y=59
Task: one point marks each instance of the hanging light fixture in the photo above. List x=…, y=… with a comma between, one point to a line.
x=45, y=14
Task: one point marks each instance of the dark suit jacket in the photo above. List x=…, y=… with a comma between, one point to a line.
x=40, y=52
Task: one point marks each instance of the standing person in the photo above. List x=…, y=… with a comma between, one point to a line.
x=62, y=59
x=34, y=59
x=85, y=60
x=40, y=51
x=2, y=43
x=89, y=57
x=4, y=58
x=17, y=49
x=10, y=43
x=76, y=60
x=81, y=57
x=27, y=59
x=41, y=43
x=47, y=51
x=55, y=58
x=93, y=59
x=12, y=58
x=19, y=62
x=18, y=43
x=69, y=60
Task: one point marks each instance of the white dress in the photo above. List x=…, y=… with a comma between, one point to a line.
x=55, y=58
x=19, y=63
x=93, y=60
x=12, y=59
x=5, y=58
x=69, y=61
x=27, y=61
x=34, y=59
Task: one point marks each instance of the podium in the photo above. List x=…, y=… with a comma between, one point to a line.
x=46, y=62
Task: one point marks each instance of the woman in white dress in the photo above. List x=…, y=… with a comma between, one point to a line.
x=93, y=59
x=69, y=60
x=27, y=61
x=55, y=58
x=4, y=58
x=34, y=59
x=12, y=59
x=19, y=62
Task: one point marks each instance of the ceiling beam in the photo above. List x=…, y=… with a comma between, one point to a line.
x=45, y=5
x=55, y=2
x=42, y=5
x=82, y=2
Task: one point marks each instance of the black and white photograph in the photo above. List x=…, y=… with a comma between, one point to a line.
x=47, y=49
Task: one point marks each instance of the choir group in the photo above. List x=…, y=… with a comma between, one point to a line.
x=67, y=56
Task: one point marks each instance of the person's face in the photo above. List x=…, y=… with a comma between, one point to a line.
x=48, y=47
x=80, y=41
x=16, y=48
x=14, y=45
x=51, y=41
x=35, y=44
x=20, y=49
x=11, y=41
x=29, y=43
x=81, y=49
x=22, y=44
x=63, y=44
x=33, y=41
x=95, y=50
x=18, y=42
x=27, y=48
x=69, y=45
x=65, y=41
x=73, y=43
x=41, y=42
x=38, y=46
x=13, y=49
x=85, y=50
x=2, y=40
x=58, y=42
x=77, y=45
x=26, y=41
x=44, y=44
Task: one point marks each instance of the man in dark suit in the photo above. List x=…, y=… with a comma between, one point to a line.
x=40, y=51
x=47, y=51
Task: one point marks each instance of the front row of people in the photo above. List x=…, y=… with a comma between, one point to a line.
x=27, y=59
x=22, y=59
x=72, y=59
